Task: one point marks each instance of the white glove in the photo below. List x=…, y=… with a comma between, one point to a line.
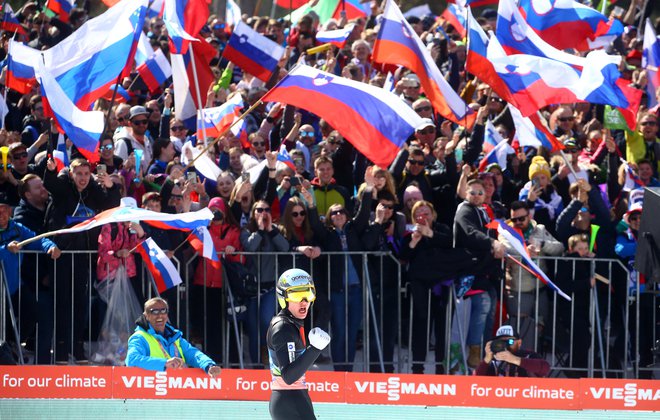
x=319, y=338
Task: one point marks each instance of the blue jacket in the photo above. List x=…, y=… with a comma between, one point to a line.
x=138, y=349
x=17, y=232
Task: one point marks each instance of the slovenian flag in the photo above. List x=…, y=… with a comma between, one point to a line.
x=161, y=268
x=155, y=71
x=337, y=37
x=517, y=240
x=456, y=16
x=284, y=157
x=216, y=120
x=10, y=23
x=253, y=52
x=533, y=131
x=497, y=155
x=183, y=20
x=201, y=241
x=632, y=181
x=375, y=121
x=60, y=154
x=62, y=8
x=492, y=137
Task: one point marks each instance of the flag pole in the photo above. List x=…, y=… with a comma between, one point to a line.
x=199, y=95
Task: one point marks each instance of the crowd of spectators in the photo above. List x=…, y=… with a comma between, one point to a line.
x=430, y=208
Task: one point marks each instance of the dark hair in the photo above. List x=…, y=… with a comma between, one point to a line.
x=387, y=195
x=287, y=227
x=159, y=145
x=517, y=205
x=23, y=184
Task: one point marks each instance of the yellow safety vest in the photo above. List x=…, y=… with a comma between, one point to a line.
x=156, y=349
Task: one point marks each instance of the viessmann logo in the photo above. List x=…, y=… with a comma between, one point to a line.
x=629, y=393
x=162, y=383
x=394, y=388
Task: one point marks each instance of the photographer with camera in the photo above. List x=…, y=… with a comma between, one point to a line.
x=504, y=357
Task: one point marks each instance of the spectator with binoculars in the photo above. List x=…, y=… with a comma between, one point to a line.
x=504, y=357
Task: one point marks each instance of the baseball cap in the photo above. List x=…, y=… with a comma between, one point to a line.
x=506, y=331
x=426, y=122
x=137, y=110
x=411, y=80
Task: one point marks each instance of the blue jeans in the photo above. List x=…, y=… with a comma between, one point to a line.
x=482, y=306
x=345, y=330
x=257, y=324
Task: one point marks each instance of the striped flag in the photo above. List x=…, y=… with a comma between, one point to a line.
x=161, y=268
x=10, y=23
x=337, y=37
x=632, y=181
x=155, y=71
x=533, y=131
x=491, y=137
x=201, y=241
x=497, y=155
x=253, y=52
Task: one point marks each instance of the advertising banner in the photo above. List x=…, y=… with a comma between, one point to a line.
x=55, y=382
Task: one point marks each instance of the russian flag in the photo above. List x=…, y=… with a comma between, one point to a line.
x=20, y=70
x=533, y=131
x=651, y=61
x=491, y=137
x=60, y=154
x=398, y=44
x=10, y=23
x=201, y=241
x=217, y=120
x=123, y=96
x=354, y=9
x=155, y=71
x=84, y=128
x=143, y=51
x=568, y=24
x=632, y=181
x=61, y=8
x=497, y=155
x=89, y=61
x=517, y=240
x=253, y=52
x=455, y=15
x=284, y=157
x=161, y=268
x=531, y=83
x=375, y=121
x=337, y=37
x=174, y=19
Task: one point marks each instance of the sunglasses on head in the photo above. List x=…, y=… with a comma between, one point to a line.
x=423, y=108
x=565, y=119
x=139, y=122
x=262, y=209
x=519, y=218
x=107, y=147
x=158, y=311
x=416, y=162
x=298, y=213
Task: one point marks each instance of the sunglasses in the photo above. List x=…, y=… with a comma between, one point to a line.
x=139, y=122
x=564, y=119
x=519, y=219
x=416, y=162
x=298, y=294
x=332, y=142
x=429, y=130
x=476, y=193
x=422, y=108
x=258, y=144
x=21, y=155
x=645, y=123
x=177, y=196
x=307, y=134
x=496, y=100
x=120, y=119
x=336, y=212
x=178, y=128
x=387, y=206
x=157, y=311
x=107, y=147
x=296, y=213
x=634, y=217
x=262, y=209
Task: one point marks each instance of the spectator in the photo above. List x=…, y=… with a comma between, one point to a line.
x=135, y=137
x=541, y=197
x=506, y=357
x=326, y=191
x=157, y=345
x=106, y=149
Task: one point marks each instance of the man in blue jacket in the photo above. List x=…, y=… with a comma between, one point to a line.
x=157, y=345
x=24, y=303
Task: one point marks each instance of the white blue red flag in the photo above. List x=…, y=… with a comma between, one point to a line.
x=217, y=120
x=533, y=131
x=354, y=9
x=174, y=17
x=253, y=52
x=233, y=13
x=10, y=23
x=473, y=3
x=492, y=137
x=375, y=121
x=568, y=24
x=517, y=240
x=397, y=43
x=337, y=37
x=632, y=181
x=155, y=71
x=201, y=241
x=456, y=16
x=20, y=70
x=123, y=96
x=143, y=51
x=60, y=154
x=284, y=157
x=62, y=8
x=159, y=265
x=203, y=164
x=651, y=62
x=497, y=155
x=84, y=128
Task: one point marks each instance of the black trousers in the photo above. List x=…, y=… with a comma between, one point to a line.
x=293, y=404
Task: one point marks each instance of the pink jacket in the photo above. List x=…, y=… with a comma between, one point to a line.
x=107, y=263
